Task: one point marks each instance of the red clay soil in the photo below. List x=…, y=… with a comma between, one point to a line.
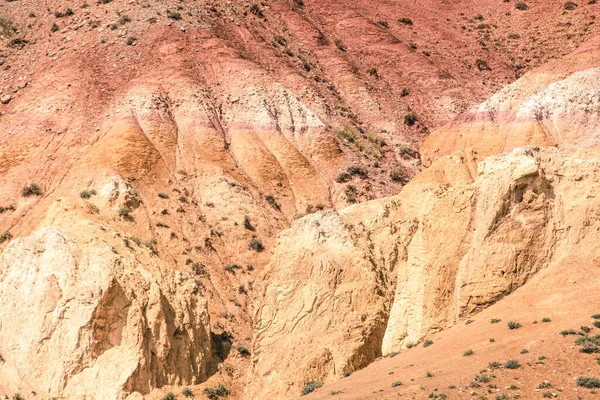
x=358, y=57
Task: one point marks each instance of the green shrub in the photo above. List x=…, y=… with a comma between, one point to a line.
x=131, y=40
x=176, y=15
x=231, y=268
x=398, y=174
x=85, y=194
x=588, y=382
x=343, y=177
x=568, y=332
x=215, y=392
x=357, y=170
x=512, y=364
x=5, y=237
x=544, y=385
x=495, y=320
x=256, y=10
x=545, y=319
x=256, y=245
x=394, y=354
x=521, y=6
x=411, y=345
x=54, y=27
x=125, y=212
x=590, y=344
x=468, y=353
x=596, y=324
x=569, y=6
x=347, y=373
x=410, y=119
x=547, y=395
x=524, y=351
x=502, y=396
x=429, y=374
x=187, y=392
x=31, y=190
x=397, y=383
x=151, y=244
x=123, y=19
x=541, y=358
x=514, y=325
x=483, y=378
x=494, y=365
x=7, y=27
x=310, y=387
x=351, y=194
x=492, y=340
x=585, y=328
x=248, y=223
x=273, y=202
x=427, y=343
x=67, y=13
x=243, y=350
x=406, y=21
x=169, y=396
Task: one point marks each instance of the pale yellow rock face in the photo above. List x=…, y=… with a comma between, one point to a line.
x=458, y=238
x=85, y=315
x=322, y=308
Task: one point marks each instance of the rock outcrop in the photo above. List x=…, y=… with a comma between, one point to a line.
x=461, y=236
x=85, y=313
x=323, y=308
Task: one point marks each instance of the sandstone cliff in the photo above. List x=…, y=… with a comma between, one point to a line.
x=457, y=239
x=86, y=313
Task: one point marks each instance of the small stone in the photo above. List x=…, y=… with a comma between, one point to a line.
x=6, y=99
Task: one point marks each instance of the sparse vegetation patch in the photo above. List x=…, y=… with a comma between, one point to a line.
x=310, y=387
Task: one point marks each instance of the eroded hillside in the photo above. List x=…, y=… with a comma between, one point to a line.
x=151, y=153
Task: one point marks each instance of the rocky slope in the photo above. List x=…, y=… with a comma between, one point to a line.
x=107, y=316
x=457, y=239
x=556, y=106
x=463, y=234
x=468, y=360
x=150, y=154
